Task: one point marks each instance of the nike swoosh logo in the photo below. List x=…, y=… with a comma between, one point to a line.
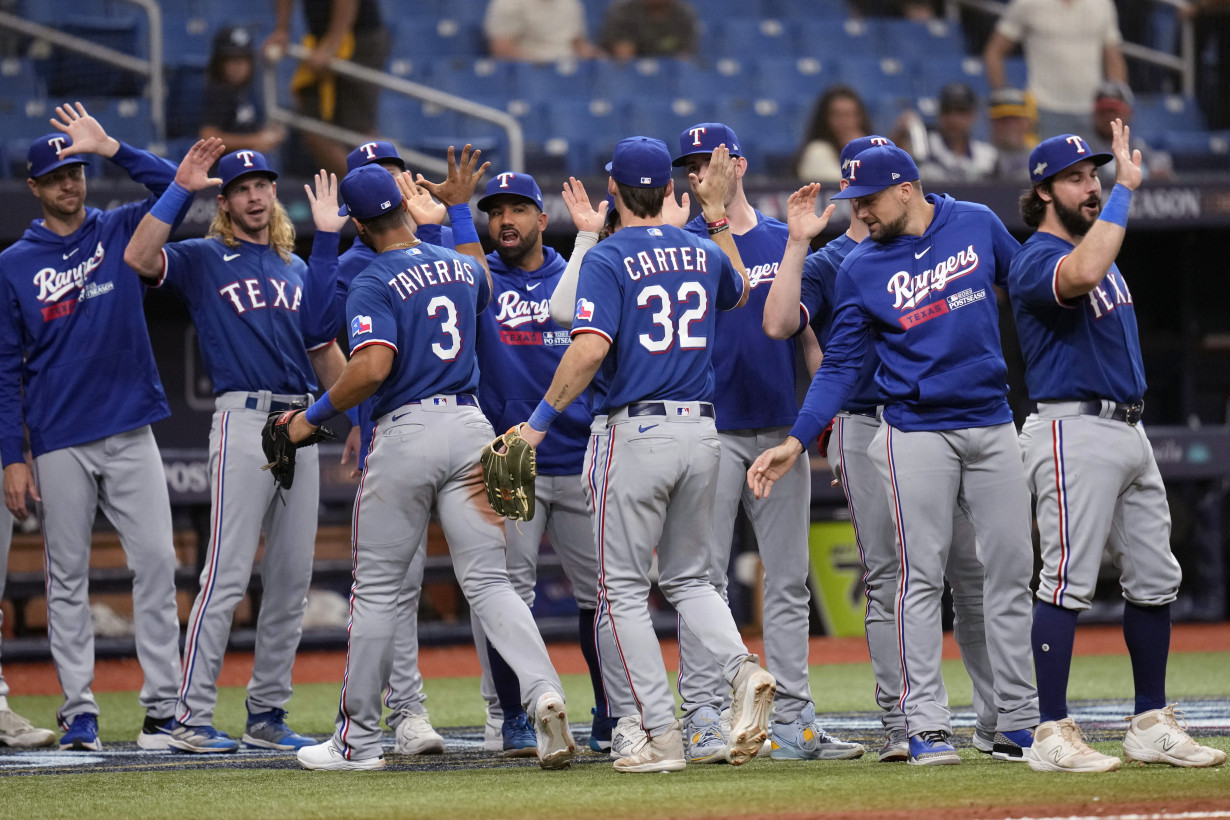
x=646, y=428
x=920, y=254
x=402, y=416
x=70, y=253
x=531, y=287
x=227, y=257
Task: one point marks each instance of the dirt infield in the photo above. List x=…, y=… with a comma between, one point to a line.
x=124, y=674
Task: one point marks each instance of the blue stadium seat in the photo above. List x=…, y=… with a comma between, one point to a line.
x=768, y=129
x=667, y=118
x=540, y=82
x=933, y=73
x=878, y=76
x=185, y=97
x=73, y=75
x=798, y=78
x=587, y=131
x=1157, y=113
x=187, y=34
x=636, y=79
x=918, y=39
x=19, y=81
x=828, y=39
x=471, y=77
x=1015, y=73
x=748, y=37
x=1194, y=151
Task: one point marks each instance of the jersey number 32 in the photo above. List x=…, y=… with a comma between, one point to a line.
x=663, y=316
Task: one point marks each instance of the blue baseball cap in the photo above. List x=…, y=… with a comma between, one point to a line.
x=510, y=184
x=857, y=146
x=641, y=162
x=876, y=168
x=703, y=137
x=377, y=151
x=1053, y=155
x=243, y=163
x=367, y=192
x=44, y=154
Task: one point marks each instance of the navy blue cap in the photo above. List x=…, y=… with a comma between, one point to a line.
x=857, y=146
x=44, y=154
x=1052, y=155
x=510, y=184
x=641, y=162
x=367, y=192
x=242, y=163
x=877, y=168
x=703, y=138
x=369, y=152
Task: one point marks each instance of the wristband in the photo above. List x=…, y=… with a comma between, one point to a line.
x=717, y=226
x=464, y=231
x=168, y=206
x=542, y=416
x=321, y=411
x=1117, y=206
x=715, y=231
x=353, y=415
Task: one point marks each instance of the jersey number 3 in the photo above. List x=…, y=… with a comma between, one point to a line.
x=448, y=326
x=663, y=316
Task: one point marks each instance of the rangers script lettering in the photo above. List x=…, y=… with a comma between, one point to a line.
x=909, y=290
x=53, y=284
x=515, y=311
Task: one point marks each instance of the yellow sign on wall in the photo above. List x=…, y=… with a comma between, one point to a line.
x=837, y=577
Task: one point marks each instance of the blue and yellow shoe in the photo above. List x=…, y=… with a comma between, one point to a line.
x=805, y=739
x=201, y=740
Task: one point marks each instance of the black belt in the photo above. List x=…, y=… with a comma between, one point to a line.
x=254, y=403
x=657, y=408
x=873, y=413
x=462, y=398
x=1129, y=413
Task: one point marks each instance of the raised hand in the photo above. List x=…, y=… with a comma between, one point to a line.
x=418, y=203
x=324, y=203
x=677, y=213
x=711, y=191
x=1127, y=161
x=801, y=216
x=193, y=171
x=87, y=133
x=462, y=177
x=584, y=217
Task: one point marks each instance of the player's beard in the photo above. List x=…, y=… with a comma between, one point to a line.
x=1073, y=220
x=514, y=255
x=888, y=231
x=251, y=227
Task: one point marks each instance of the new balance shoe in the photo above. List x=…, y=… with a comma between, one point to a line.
x=1013, y=745
x=156, y=734
x=20, y=733
x=704, y=742
x=984, y=741
x=804, y=739
x=896, y=748
x=555, y=746
x=519, y=738
x=493, y=733
x=201, y=740
x=1156, y=737
x=750, y=707
x=1059, y=746
x=660, y=753
x=416, y=736
x=628, y=737
x=82, y=735
x=328, y=757
x=932, y=749
x=268, y=730
x=600, y=732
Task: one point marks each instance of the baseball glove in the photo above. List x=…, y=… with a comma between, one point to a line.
x=509, y=475
x=280, y=450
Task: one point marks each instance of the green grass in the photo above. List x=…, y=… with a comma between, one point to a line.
x=979, y=785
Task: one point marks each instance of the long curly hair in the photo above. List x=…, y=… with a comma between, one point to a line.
x=281, y=230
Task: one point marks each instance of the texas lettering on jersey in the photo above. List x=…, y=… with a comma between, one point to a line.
x=246, y=294
x=1103, y=302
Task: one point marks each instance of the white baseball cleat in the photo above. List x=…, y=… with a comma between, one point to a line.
x=20, y=733
x=1059, y=746
x=556, y=748
x=327, y=757
x=750, y=708
x=661, y=753
x=628, y=737
x=1156, y=737
x=416, y=736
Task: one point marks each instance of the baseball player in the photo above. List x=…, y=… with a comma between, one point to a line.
x=412, y=331
x=802, y=294
x=755, y=402
x=1087, y=459
x=924, y=290
x=262, y=317
x=15, y=730
x=77, y=369
x=647, y=292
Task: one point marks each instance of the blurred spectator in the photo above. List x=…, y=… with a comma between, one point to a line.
x=650, y=28
x=1070, y=46
x=1115, y=101
x=537, y=31
x=1013, y=122
x=1212, y=19
x=234, y=110
x=951, y=153
x=838, y=117
x=347, y=29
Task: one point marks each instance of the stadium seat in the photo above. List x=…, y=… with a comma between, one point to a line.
x=573, y=79
x=73, y=75
x=19, y=81
x=933, y=73
x=666, y=119
x=795, y=78
x=586, y=131
x=748, y=37
x=829, y=39
x=878, y=76
x=471, y=78
x=918, y=39
x=185, y=97
x=1154, y=114
x=1195, y=151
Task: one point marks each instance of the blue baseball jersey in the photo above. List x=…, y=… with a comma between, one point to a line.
x=249, y=307
x=1083, y=348
x=519, y=348
x=928, y=304
x=753, y=373
x=818, y=298
x=421, y=302
x=75, y=357
x=653, y=292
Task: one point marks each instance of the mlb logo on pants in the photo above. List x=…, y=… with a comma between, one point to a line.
x=440, y=401
x=683, y=411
